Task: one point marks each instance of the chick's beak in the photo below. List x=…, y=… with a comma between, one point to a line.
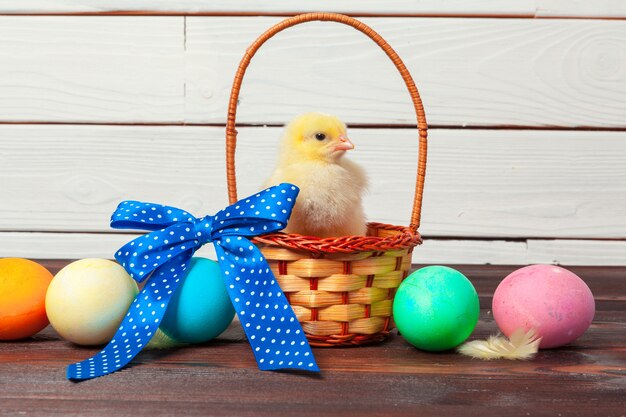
x=344, y=144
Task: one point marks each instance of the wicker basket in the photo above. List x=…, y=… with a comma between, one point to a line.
x=341, y=289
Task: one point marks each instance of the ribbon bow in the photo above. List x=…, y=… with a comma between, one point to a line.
x=274, y=333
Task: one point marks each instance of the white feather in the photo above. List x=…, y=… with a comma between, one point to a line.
x=521, y=345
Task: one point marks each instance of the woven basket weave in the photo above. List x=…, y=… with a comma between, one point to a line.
x=342, y=288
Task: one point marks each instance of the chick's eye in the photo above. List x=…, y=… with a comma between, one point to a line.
x=320, y=136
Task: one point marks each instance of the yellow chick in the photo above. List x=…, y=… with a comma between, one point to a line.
x=331, y=186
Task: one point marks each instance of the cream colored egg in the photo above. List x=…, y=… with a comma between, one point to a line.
x=87, y=300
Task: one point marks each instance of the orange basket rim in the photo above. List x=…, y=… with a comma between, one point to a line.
x=406, y=238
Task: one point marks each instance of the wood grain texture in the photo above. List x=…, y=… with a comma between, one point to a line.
x=614, y=9
x=220, y=378
x=471, y=72
x=490, y=184
x=453, y=7
x=522, y=8
x=122, y=70
x=577, y=252
x=607, y=283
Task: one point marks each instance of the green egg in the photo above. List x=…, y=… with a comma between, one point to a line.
x=436, y=308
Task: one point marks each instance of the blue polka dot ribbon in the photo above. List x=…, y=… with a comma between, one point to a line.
x=162, y=256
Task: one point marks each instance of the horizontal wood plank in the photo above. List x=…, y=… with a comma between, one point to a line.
x=520, y=8
x=471, y=72
x=614, y=9
x=577, y=252
x=120, y=70
x=490, y=184
x=577, y=380
x=580, y=379
x=605, y=282
x=59, y=245
x=430, y=7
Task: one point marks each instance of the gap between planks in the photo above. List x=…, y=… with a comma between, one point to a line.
x=350, y=125
x=290, y=14
x=477, y=239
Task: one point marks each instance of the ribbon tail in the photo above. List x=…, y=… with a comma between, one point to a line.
x=272, y=328
x=139, y=325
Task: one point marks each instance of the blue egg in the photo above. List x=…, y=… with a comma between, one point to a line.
x=200, y=308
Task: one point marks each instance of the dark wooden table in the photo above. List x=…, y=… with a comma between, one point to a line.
x=586, y=378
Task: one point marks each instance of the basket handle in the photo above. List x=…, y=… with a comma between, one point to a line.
x=231, y=132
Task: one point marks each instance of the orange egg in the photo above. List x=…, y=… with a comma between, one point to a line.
x=23, y=286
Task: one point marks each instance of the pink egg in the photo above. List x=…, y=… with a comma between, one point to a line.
x=550, y=299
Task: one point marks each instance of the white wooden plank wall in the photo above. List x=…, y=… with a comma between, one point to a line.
x=526, y=101
x=471, y=72
x=461, y=8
